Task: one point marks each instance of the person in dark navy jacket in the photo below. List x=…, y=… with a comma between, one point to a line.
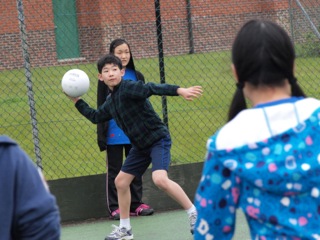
x=27, y=209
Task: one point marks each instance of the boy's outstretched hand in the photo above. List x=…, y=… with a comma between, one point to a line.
x=190, y=93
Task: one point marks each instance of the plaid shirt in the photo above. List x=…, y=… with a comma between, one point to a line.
x=129, y=106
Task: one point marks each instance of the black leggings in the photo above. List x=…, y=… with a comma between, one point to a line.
x=114, y=163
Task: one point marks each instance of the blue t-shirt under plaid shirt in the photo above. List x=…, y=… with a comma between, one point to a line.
x=115, y=135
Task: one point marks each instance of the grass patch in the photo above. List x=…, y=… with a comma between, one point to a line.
x=67, y=140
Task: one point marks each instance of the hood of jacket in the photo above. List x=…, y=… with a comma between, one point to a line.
x=285, y=164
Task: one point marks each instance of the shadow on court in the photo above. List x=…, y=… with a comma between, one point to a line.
x=172, y=225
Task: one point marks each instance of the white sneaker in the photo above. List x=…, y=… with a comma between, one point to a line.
x=192, y=220
x=120, y=234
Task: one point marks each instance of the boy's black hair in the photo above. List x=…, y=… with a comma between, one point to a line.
x=108, y=59
x=263, y=55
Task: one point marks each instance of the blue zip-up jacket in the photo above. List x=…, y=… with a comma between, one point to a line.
x=27, y=209
x=266, y=162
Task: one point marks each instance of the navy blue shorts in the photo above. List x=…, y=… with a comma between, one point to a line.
x=138, y=160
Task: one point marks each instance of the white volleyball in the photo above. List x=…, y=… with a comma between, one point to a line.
x=75, y=83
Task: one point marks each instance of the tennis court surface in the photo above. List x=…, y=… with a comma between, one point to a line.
x=171, y=225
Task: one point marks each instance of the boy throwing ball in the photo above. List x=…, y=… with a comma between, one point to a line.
x=129, y=106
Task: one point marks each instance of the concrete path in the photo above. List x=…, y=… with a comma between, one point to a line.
x=171, y=225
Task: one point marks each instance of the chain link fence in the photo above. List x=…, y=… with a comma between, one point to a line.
x=178, y=42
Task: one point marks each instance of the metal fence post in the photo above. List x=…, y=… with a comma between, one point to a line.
x=291, y=20
x=27, y=67
x=161, y=59
x=190, y=31
x=313, y=27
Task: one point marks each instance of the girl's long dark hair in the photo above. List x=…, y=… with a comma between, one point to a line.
x=263, y=55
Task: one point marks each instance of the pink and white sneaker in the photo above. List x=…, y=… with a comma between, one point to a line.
x=115, y=215
x=142, y=210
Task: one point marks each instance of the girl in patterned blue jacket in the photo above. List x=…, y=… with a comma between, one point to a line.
x=266, y=159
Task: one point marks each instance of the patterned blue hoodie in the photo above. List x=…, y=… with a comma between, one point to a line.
x=265, y=161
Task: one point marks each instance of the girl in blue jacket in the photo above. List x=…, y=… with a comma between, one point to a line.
x=266, y=159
